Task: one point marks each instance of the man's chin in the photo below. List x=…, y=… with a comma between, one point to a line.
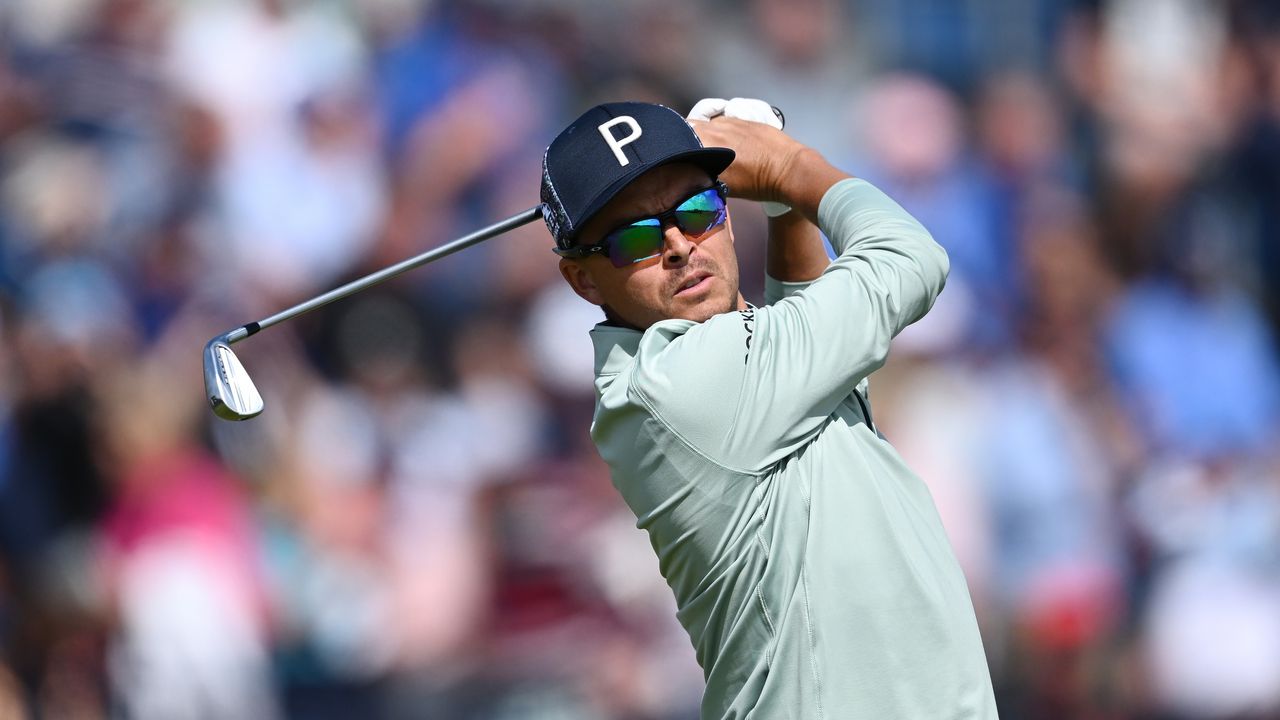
x=705, y=309
x=699, y=311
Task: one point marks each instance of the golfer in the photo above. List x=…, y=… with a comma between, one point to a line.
x=808, y=562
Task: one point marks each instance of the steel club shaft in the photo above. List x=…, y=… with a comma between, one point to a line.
x=231, y=391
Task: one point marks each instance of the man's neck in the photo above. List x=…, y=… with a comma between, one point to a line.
x=613, y=320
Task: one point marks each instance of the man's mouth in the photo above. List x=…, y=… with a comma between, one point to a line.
x=696, y=282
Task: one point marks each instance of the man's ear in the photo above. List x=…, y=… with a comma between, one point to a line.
x=579, y=278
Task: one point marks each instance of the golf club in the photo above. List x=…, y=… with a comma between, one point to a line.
x=230, y=389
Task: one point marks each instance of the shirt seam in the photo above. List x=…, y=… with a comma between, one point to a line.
x=813, y=653
x=806, y=497
x=768, y=621
x=764, y=605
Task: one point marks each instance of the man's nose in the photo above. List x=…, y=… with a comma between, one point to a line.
x=678, y=246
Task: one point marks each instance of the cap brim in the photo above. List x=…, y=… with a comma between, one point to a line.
x=713, y=160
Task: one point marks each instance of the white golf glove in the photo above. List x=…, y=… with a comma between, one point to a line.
x=748, y=109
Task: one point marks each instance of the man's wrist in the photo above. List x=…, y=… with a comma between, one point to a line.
x=803, y=179
x=783, y=171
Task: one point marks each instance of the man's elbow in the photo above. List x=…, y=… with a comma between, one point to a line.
x=935, y=265
x=943, y=263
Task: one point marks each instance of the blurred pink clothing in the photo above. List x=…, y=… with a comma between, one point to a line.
x=190, y=640
x=187, y=493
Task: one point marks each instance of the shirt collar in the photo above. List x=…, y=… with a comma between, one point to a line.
x=615, y=346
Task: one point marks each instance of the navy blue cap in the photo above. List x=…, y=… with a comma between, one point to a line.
x=606, y=148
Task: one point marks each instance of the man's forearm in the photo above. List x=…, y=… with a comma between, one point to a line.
x=796, y=251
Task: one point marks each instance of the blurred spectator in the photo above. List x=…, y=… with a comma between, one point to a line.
x=466, y=113
x=791, y=54
x=960, y=43
x=1212, y=627
x=1199, y=370
x=179, y=560
x=915, y=136
x=297, y=188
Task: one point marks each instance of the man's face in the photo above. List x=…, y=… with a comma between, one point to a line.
x=656, y=289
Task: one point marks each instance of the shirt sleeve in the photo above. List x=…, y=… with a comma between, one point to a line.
x=775, y=290
x=749, y=388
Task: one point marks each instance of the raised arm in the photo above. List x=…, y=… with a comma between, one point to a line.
x=805, y=354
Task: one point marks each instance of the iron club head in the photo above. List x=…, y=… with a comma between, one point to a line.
x=230, y=390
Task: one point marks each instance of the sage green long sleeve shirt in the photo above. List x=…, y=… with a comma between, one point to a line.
x=809, y=564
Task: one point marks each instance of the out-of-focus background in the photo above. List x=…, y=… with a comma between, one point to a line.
x=419, y=527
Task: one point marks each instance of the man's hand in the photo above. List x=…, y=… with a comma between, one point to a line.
x=744, y=109
x=764, y=155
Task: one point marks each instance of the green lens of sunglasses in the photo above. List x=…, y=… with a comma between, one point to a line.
x=635, y=242
x=701, y=212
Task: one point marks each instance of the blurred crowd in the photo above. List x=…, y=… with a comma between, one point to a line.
x=419, y=527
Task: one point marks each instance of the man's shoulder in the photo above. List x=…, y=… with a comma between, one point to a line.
x=672, y=362
x=692, y=349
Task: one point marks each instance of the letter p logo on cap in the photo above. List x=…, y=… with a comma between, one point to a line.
x=577, y=177
x=616, y=144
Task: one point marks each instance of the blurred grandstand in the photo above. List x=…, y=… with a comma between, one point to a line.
x=419, y=527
